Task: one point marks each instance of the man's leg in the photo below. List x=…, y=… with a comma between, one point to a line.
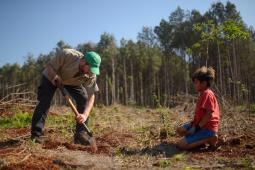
x=45, y=93
x=79, y=94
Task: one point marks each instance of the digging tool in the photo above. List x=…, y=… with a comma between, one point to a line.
x=92, y=141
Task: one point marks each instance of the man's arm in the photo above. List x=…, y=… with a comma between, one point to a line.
x=54, y=65
x=50, y=71
x=54, y=78
x=89, y=105
x=91, y=88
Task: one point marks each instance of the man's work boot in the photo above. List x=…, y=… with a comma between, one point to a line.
x=81, y=138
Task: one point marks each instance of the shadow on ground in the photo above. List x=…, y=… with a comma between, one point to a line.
x=168, y=150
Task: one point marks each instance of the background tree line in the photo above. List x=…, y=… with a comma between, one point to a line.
x=158, y=65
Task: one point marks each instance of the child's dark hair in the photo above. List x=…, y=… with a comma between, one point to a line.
x=204, y=74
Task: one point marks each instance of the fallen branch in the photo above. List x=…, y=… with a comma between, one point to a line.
x=18, y=93
x=18, y=85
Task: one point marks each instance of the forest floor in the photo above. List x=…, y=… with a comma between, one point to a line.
x=127, y=138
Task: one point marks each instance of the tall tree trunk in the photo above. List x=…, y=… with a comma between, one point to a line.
x=169, y=83
x=166, y=78
x=186, y=73
x=200, y=59
x=153, y=88
x=117, y=88
x=106, y=90
x=132, y=96
x=219, y=66
x=158, y=88
x=141, y=87
x=231, y=84
x=235, y=73
x=113, y=81
x=125, y=81
x=207, y=54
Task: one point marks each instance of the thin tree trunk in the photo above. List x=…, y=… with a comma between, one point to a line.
x=141, y=88
x=235, y=73
x=207, y=54
x=158, y=88
x=220, y=71
x=106, y=90
x=113, y=82
x=186, y=73
x=166, y=91
x=125, y=81
x=132, y=96
x=232, y=76
x=153, y=89
x=117, y=88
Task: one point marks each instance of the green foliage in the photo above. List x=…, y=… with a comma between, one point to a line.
x=64, y=123
x=179, y=157
x=61, y=121
x=233, y=30
x=156, y=101
x=19, y=120
x=141, y=129
x=118, y=152
x=92, y=117
x=131, y=102
x=248, y=163
x=253, y=108
x=164, y=163
x=107, y=47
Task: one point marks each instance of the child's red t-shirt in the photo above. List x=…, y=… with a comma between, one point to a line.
x=208, y=101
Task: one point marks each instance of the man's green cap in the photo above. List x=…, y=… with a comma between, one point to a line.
x=94, y=61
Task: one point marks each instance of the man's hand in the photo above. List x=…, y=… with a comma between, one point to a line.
x=57, y=81
x=81, y=118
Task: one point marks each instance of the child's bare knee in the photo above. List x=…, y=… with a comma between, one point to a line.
x=181, y=131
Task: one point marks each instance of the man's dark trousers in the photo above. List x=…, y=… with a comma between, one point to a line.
x=45, y=94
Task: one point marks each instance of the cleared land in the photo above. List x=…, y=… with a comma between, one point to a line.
x=128, y=138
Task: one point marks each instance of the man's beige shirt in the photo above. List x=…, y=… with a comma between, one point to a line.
x=66, y=65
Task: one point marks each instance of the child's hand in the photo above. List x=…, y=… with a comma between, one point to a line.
x=192, y=130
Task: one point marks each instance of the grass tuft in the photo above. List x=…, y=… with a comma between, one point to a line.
x=164, y=163
x=19, y=120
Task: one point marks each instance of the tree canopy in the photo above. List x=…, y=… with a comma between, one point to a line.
x=158, y=65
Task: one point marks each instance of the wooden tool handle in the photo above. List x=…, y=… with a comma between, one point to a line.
x=70, y=103
x=68, y=99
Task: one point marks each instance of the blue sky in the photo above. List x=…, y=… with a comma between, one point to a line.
x=35, y=26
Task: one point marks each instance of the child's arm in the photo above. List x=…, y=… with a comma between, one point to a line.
x=207, y=116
